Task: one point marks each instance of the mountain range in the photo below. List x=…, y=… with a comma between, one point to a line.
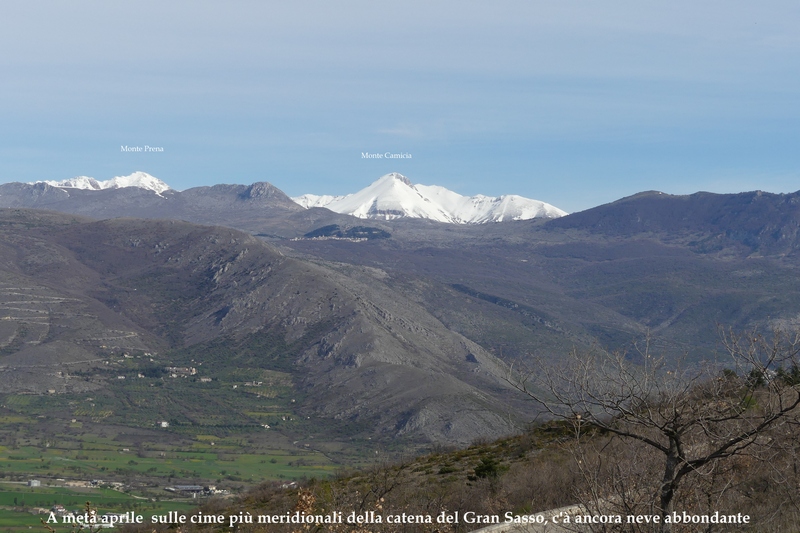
x=393, y=196
x=407, y=336
x=141, y=180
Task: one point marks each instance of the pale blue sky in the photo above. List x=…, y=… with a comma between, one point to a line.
x=572, y=103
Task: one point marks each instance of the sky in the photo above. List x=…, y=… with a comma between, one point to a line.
x=573, y=103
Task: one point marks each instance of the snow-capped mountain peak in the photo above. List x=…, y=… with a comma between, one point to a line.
x=394, y=196
x=143, y=180
x=139, y=179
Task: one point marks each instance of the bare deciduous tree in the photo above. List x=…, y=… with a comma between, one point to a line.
x=691, y=416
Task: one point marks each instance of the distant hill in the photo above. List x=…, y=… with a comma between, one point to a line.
x=764, y=222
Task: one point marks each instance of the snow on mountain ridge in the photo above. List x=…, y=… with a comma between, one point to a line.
x=394, y=196
x=143, y=180
x=312, y=200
